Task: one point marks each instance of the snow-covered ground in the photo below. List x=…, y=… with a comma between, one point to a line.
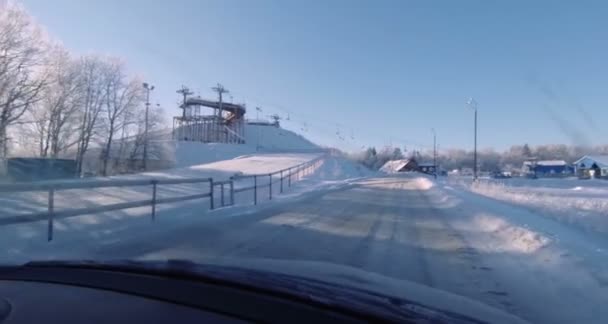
x=26, y=241
x=516, y=255
x=581, y=203
x=36, y=201
x=407, y=227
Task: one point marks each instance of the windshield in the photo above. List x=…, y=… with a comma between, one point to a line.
x=458, y=146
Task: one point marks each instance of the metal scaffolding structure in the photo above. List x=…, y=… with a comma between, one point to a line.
x=225, y=124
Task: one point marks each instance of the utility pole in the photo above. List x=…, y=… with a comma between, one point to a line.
x=473, y=105
x=220, y=91
x=148, y=89
x=257, y=119
x=434, y=152
x=185, y=92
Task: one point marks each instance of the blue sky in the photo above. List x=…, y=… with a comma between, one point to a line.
x=376, y=72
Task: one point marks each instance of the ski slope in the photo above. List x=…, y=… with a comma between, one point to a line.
x=258, y=139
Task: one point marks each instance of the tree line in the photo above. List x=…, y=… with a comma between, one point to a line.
x=56, y=104
x=488, y=159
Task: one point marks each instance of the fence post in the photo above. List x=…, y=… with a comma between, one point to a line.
x=281, y=181
x=289, y=178
x=51, y=207
x=222, y=196
x=154, y=182
x=270, y=186
x=211, y=190
x=255, y=189
x=231, y=192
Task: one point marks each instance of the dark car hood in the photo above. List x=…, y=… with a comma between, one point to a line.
x=326, y=283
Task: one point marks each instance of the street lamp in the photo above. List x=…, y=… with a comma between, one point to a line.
x=434, y=152
x=148, y=88
x=257, y=117
x=473, y=105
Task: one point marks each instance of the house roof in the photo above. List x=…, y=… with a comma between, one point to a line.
x=600, y=160
x=394, y=165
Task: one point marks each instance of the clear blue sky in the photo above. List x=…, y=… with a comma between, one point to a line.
x=381, y=71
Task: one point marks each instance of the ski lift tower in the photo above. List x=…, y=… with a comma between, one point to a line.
x=209, y=121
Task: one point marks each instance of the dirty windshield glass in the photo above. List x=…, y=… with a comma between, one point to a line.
x=458, y=147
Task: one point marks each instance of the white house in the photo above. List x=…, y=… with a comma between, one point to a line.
x=592, y=166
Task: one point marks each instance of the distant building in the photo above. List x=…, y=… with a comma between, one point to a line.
x=592, y=166
x=548, y=168
x=466, y=172
x=427, y=167
x=404, y=165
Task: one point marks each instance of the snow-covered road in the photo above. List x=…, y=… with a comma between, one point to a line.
x=411, y=228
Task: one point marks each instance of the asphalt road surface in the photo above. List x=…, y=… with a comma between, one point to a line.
x=406, y=228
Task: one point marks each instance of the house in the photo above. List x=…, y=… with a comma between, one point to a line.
x=547, y=168
x=427, y=167
x=403, y=165
x=592, y=166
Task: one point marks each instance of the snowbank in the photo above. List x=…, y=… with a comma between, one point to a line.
x=579, y=202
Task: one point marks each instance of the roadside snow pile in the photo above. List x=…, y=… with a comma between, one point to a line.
x=424, y=183
x=508, y=237
x=585, y=205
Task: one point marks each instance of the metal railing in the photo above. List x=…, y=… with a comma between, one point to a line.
x=222, y=187
x=277, y=177
x=51, y=187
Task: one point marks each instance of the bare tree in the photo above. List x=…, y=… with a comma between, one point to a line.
x=54, y=118
x=124, y=96
x=155, y=123
x=94, y=82
x=21, y=83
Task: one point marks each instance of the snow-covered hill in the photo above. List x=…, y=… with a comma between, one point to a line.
x=258, y=139
x=178, y=154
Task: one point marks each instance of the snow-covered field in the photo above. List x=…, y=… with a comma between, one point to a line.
x=581, y=203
